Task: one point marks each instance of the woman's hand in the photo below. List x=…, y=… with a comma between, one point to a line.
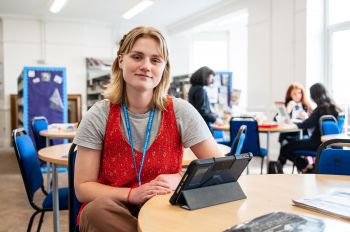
x=146, y=191
x=171, y=180
x=303, y=115
x=290, y=106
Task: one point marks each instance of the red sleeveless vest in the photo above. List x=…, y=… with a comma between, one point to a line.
x=164, y=155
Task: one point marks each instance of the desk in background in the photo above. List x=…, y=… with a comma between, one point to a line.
x=267, y=131
x=265, y=194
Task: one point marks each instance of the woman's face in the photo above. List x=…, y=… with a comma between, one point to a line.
x=143, y=66
x=296, y=95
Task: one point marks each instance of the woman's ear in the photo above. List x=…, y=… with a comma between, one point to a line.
x=120, y=61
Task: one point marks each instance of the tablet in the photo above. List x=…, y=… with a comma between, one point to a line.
x=208, y=172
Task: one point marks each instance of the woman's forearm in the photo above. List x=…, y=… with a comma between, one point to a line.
x=88, y=191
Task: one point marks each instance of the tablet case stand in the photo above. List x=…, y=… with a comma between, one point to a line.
x=212, y=195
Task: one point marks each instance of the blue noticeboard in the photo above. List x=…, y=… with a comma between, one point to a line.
x=44, y=94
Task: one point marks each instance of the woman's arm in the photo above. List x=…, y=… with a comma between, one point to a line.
x=87, y=166
x=207, y=149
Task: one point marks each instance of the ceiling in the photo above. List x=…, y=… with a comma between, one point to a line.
x=163, y=13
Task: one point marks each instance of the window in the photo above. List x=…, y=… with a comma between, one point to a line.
x=338, y=47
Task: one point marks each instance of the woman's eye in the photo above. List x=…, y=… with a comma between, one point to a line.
x=137, y=57
x=155, y=60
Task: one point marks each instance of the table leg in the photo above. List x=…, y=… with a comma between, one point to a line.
x=55, y=199
x=267, y=146
x=48, y=166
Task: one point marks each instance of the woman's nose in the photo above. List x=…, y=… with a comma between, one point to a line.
x=146, y=64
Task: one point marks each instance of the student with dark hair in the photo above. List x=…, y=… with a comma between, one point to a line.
x=325, y=106
x=198, y=96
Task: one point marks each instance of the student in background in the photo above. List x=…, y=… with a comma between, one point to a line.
x=325, y=106
x=298, y=108
x=198, y=96
x=130, y=147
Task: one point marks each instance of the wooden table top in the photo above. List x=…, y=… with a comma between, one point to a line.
x=325, y=138
x=57, y=154
x=58, y=134
x=265, y=194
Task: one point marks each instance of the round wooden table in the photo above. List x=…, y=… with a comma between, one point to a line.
x=58, y=134
x=57, y=155
x=268, y=131
x=265, y=194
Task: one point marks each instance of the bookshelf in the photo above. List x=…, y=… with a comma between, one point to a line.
x=98, y=76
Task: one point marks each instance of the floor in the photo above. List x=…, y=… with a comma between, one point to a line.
x=15, y=210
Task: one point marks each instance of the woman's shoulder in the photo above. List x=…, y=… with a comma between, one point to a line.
x=182, y=106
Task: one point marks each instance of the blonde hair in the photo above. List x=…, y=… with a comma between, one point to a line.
x=116, y=91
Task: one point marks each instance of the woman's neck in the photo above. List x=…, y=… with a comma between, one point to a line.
x=139, y=102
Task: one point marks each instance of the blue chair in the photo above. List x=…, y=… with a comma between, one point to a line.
x=333, y=161
x=237, y=144
x=32, y=177
x=341, y=121
x=252, y=141
x=74, y=204
x=38, y=124
x=328, y=125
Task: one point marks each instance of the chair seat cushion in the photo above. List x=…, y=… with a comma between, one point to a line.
x=63, y=199
x=304, y=152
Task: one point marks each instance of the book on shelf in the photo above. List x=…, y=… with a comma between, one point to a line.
x=282, y=222
x=336, y=203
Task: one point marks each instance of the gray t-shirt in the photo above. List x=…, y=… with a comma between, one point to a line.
x=190, y=124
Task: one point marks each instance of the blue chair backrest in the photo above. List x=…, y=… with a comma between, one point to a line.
x=328, y=125
x=237, y=144
x=28, y=162
x=38, y=124
x=74, y=204
x=331, y=160
x=341, y=121
x=252, y=142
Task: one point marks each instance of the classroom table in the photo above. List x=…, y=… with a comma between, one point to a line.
x=268, y=131
x=54, y=134
x=325, y=138
x=57, y=155
x=265, y=194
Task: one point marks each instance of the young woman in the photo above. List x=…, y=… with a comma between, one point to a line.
x=298, y=108
x=325, y=106
x=198, y=96
x=130, y=146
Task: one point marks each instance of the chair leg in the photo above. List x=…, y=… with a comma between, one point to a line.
x=248, y=169
x=31, y=221
x=262, y=165
x=41, y=221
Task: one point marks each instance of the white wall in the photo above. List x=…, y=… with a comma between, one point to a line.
x=284, y=45
x=59, y=43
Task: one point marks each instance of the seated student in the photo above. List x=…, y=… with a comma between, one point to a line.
x=130, y=147
x=298, y=108
x=198, y=96
x=325, y=106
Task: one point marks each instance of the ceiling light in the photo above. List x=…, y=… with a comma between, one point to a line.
x=56, y=5
x=141, y=6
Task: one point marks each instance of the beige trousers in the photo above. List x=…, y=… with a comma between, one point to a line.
x=104, y=214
